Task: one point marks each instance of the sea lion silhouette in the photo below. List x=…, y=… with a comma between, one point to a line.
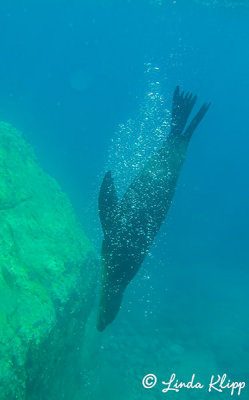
x=130, y=225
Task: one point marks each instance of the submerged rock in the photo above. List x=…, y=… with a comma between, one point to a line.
x=47, y=279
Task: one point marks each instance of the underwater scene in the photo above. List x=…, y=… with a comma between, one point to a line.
x=124, y=199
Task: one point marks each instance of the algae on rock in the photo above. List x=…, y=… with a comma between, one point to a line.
x=47, y=274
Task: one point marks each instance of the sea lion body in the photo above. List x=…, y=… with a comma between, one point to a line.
x=131, y=225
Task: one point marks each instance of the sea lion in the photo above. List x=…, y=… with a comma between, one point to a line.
x=130, y=225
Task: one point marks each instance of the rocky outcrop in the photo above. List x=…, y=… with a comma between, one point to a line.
x=47, y=279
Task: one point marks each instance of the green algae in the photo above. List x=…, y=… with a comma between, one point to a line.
x=47, y=269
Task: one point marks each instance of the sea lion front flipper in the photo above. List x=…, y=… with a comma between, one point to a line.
x=108, y=201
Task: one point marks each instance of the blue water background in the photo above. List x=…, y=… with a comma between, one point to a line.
x=71, y=72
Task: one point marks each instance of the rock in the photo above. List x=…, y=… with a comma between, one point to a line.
x=47, y=279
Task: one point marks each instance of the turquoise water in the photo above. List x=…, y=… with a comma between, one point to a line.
x=90, y=83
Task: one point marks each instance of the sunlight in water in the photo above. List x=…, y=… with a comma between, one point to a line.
x=224, y=3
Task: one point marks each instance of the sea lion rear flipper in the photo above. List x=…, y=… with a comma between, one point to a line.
x=108, y=201
x=181, y=109
x=195, y=121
